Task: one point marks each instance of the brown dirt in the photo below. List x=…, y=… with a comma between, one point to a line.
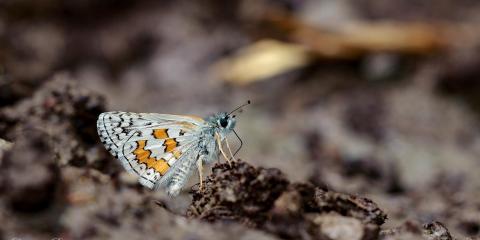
x=384, y=146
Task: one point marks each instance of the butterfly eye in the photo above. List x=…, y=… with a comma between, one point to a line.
x=223, y=122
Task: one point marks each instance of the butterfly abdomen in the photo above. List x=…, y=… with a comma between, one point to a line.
x=179, y=177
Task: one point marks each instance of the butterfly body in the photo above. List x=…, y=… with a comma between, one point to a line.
x=161, y=149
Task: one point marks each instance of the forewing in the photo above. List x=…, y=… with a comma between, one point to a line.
x=148, y=144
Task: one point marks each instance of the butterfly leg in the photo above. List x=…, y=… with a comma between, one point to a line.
x=200, y=171
x=221, y=149
x=229, y=150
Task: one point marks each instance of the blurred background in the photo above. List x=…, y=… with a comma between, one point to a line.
x=377, y=98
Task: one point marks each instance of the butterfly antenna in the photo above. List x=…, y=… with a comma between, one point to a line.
x=241, y=143
x=239, y=107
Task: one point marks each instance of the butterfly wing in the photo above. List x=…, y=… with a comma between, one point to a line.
x=148, y=144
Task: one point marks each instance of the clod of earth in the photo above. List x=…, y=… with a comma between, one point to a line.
x=264, y=199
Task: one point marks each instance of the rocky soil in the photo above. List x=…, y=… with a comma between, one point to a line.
x=378, y=145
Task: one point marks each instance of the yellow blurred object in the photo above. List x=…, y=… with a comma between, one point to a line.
x=4, y=146
x=356, y=39
x=267, y=58
x=262, y=60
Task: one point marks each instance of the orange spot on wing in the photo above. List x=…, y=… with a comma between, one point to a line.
x=140, y=150
x=162, y=166
x=177, y=154
x=160, y=133
x=170, y=144
x=143, y=157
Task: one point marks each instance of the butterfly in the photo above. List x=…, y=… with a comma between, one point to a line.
x=163, y=149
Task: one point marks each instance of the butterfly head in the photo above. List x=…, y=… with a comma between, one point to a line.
x=223, y=121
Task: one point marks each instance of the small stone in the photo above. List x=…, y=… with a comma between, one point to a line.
x=337, y=227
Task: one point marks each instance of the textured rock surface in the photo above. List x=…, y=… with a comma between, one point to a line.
x=264, y=199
